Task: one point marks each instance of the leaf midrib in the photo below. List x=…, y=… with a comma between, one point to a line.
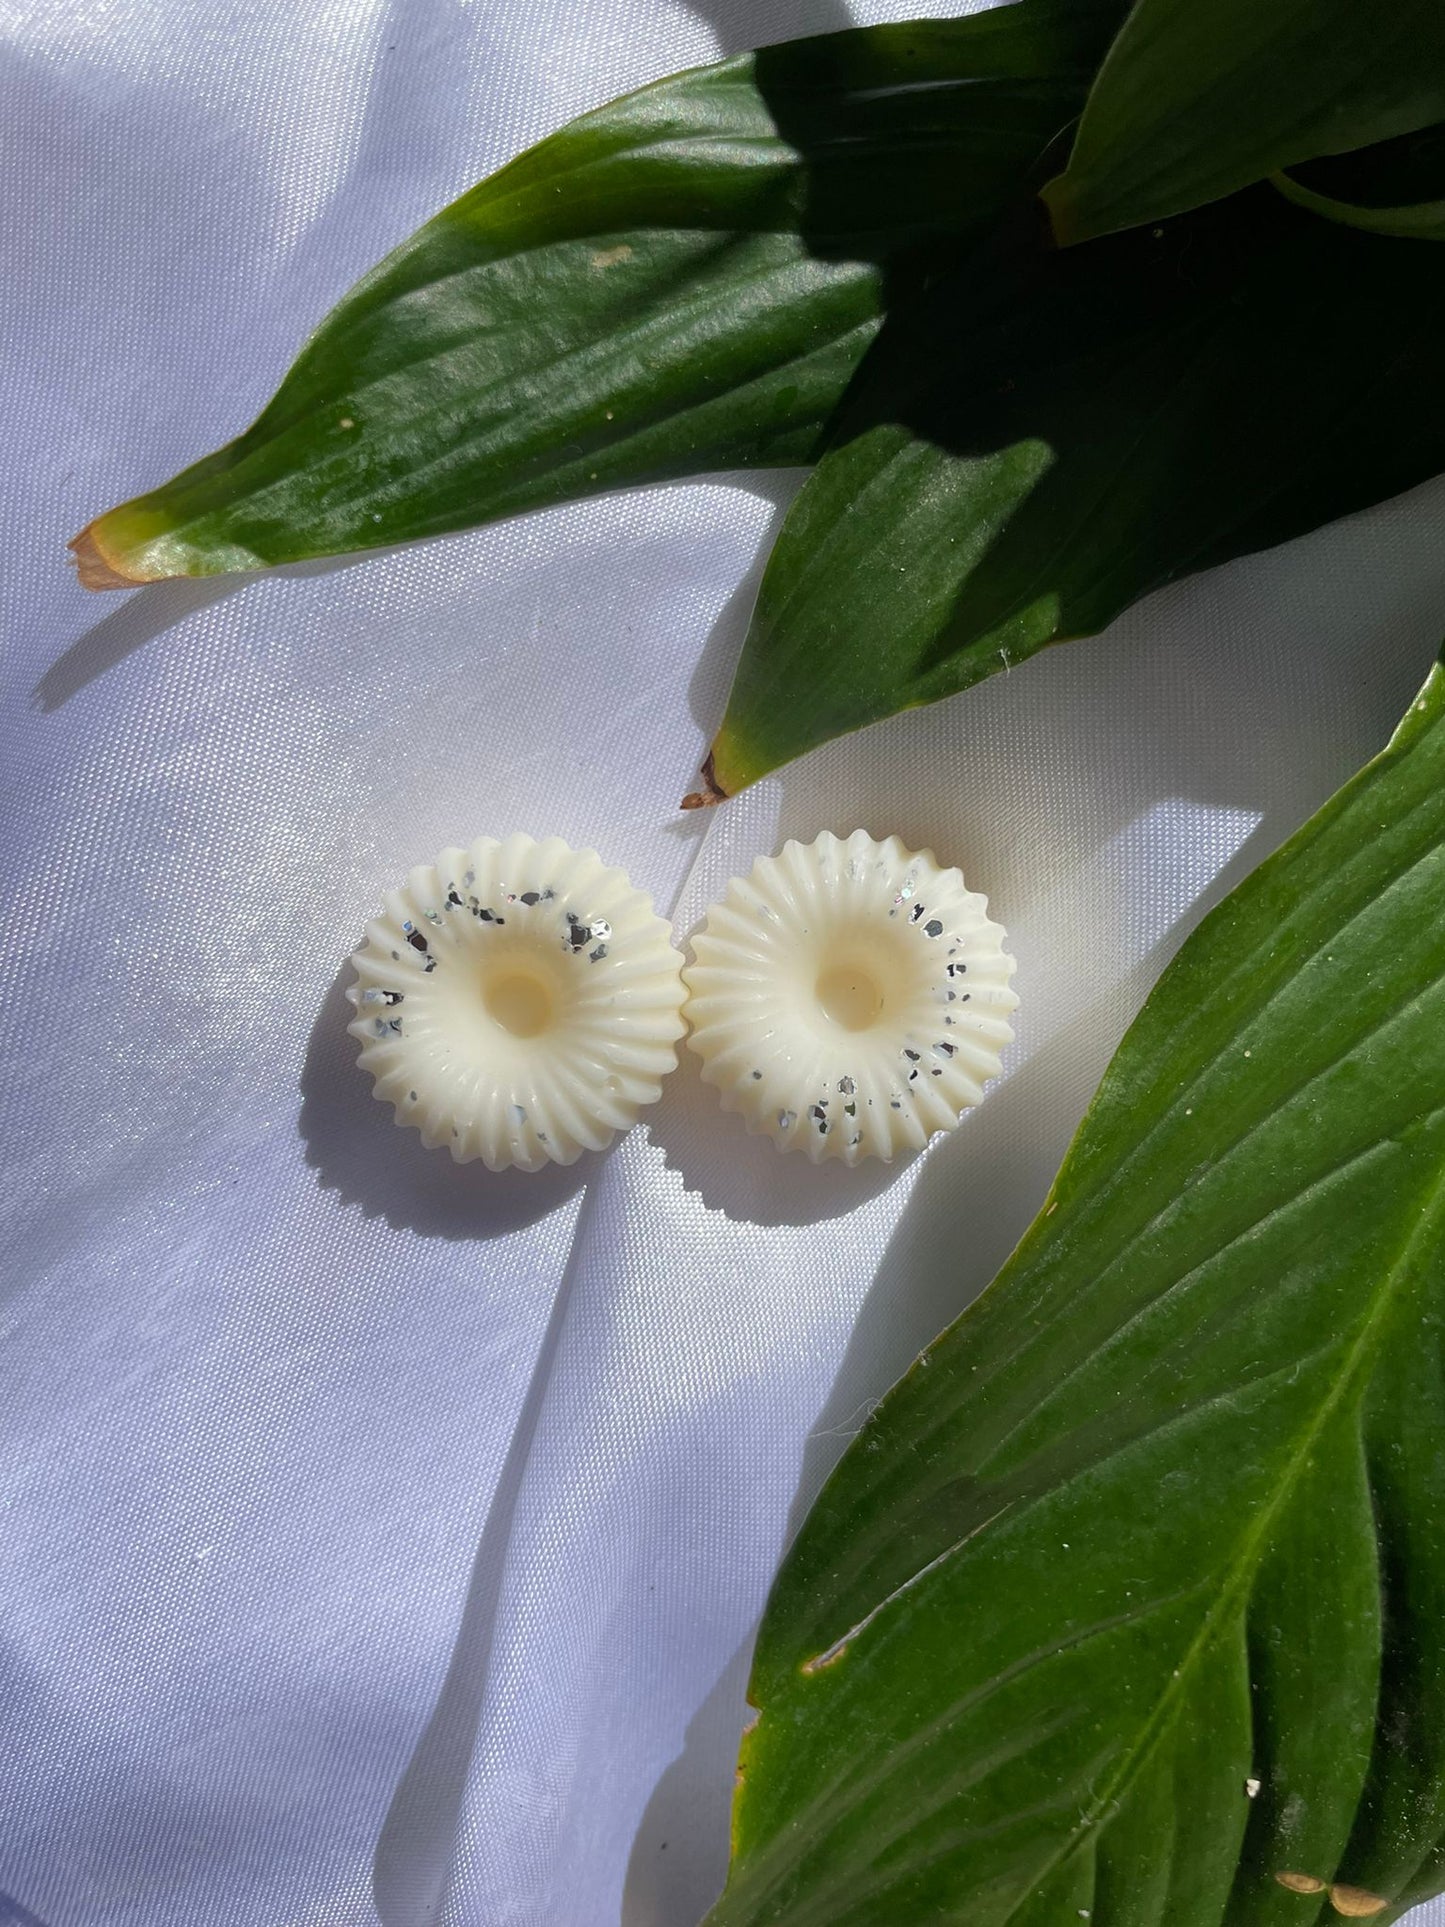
x=1241, y=1567
x=1191, y=1090
x=858, y=1788
x=465, y=447
x=1317, y=1182
x=1246, y=1564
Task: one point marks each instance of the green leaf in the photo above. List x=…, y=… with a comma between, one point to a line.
x=682, y=281
x=1055, y=434
x=1416, y=221
x=1393, y=188
x=1163, y=1514
x=1194, y=101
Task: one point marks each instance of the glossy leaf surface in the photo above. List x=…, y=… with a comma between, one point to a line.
x=1058, y=433
x=682, y=281
x=1127, y=1602
x=1195, y=101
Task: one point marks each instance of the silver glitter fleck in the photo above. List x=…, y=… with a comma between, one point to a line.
x=847, y=1086
x=757, y=1073
x=519, y=1114
x=470, y=878
x=786, y=1120
x=434, y=917
x=933, y=928
x=598, y=954
x=601, y=928
x=412, y=1096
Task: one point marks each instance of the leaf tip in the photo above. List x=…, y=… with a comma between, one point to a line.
x=1356, y=1903
x=95, y=568
x=712, y=792
x=1058, y=199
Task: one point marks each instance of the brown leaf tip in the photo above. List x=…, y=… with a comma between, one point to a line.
x=711, y=793
x=1356, y=1903
x=93, y=566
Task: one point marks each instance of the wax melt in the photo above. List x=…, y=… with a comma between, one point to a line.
x=849, y=997
x=518, y=1002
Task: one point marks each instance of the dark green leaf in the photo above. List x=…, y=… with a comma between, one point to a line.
x=1194, y=101
x=1393, y=188
x=1056, y=434
x=1417, y=221
x=682, y=281
x=1129, y=1600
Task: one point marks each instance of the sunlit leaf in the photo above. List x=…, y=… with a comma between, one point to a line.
x=682, y=281
x=1126, y=1603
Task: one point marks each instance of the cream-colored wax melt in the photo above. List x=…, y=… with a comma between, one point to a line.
x=849, y=997
x=518, y=1002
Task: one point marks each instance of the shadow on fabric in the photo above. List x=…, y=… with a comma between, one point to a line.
x=411, y=1865
x=357, y=1150
x=12, y=1914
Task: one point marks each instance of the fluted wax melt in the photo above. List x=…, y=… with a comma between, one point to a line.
x=519, y=1002
x=849, y=997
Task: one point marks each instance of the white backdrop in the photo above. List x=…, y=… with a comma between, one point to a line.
x=381, y=1542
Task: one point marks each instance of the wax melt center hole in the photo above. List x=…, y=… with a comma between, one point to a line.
x=520, y=1004
x=849, y=996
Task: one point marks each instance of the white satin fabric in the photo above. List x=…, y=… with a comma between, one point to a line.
x=381, y=1542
